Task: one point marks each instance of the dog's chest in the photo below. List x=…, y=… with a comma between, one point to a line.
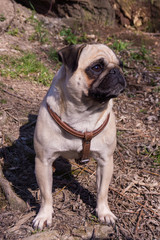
x=72, y=147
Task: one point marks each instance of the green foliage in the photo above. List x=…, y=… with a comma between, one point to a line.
x=157, y=89
x=13, y=31
x=93, y=218
x=141, y=54
x=53, y=55
x=3, y=101
x=153, y=83
x=150, y=26
x=68, y=35
x=71, y=38
x=2, y=18
x=143, y=111
x=117, y=44
x=137, y=54
x=26, y=67
x=41, y=33
x=119, y=133
x=156, y=156
x=82, y=38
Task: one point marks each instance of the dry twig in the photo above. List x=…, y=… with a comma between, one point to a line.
x=138, y=203
x=128, y=187
x=139, y=219
x=14, y=95
x=156, y=174
x=24, y=219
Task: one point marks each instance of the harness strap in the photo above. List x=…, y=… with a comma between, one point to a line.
x=86, y=136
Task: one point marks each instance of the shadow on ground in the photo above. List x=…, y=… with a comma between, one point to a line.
x=19, y=169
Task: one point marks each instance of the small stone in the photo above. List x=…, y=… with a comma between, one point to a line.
x=152, y=118
x=91, y=36
x=79, y=232
x=102, y=231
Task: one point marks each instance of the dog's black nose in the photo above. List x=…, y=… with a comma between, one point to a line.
x=114, y=71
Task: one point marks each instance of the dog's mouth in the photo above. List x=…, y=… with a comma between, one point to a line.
x=104, y=95
x=110, y=86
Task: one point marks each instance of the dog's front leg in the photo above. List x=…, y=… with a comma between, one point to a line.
x=104, y=174
x=43, y=172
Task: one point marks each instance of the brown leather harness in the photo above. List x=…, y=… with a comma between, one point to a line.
x=85, y=136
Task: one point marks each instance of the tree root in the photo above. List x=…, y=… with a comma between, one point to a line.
x=15, y=202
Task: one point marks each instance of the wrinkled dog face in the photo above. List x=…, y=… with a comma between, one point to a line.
x=108, y=82
x=98, y=66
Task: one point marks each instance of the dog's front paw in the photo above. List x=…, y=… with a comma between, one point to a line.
x=42, y=219
x=106, y=216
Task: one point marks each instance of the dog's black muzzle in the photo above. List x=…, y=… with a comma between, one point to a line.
x=109, y=86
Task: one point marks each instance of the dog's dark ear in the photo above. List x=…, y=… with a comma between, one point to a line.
x=120, y=64
x=69, y=56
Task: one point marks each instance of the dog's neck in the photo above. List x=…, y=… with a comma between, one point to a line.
x=87, y=114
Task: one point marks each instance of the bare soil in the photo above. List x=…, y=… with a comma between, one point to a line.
x=134, y=194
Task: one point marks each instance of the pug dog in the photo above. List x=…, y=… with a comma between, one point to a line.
x=80, y=97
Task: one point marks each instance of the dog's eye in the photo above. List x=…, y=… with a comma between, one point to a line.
x=97, y=68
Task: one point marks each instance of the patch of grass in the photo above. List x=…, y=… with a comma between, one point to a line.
x=119, y=133
x=3, y=101
x=36, y=231
x=119, y=45
x=156, y=156
x=26, y=67
x=141, y=54
x=82, y=38
x=53, y=55
x=2, y=17
x=138, y=54
x=157, y=89
x=41, y=33
x=93, y=218
x=13, y=31
x=69, y=36
x=108, y=41
x=150, y=27
x=130, y=95
x=143, y=111
x=152, y=83
x=154, y=68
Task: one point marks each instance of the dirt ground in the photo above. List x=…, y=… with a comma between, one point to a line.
x=134, y=195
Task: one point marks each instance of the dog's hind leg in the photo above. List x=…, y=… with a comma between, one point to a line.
x=43, y=170
x=104, y=174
